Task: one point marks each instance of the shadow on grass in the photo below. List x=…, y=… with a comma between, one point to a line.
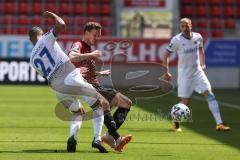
x=48, y=151
x=148, y=130
x=203, y=121
x=37, y=151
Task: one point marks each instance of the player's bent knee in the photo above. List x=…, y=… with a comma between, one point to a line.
x=105, y=105
x=124, y=104
x=206, y=93
x=124, y=100
x=210, y=96
x=129, y=103
x=101, y=102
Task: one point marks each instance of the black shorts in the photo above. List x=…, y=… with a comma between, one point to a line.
x=108, y=93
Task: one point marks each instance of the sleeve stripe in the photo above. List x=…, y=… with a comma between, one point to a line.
x=169, y=50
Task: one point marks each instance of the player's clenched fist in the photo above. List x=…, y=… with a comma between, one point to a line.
x=48, y=14
x=167, y=77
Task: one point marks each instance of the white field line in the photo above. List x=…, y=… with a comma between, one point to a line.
x=225, y=104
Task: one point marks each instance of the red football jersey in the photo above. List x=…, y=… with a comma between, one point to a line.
x=81, y=47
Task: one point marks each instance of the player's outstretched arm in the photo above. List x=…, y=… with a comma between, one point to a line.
x=59, y=23
x=78, y=57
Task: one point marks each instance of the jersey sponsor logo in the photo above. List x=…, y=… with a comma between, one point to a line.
x=191, y=50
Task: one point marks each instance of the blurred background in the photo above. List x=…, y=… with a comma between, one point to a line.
x=148, y=24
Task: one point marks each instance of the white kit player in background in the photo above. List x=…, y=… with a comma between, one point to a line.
x=191, y=64
x=50, y=61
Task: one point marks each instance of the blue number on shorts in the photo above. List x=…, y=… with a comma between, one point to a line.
x=39, y=63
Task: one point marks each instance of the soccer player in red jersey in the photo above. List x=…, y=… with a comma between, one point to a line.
x=82, y=56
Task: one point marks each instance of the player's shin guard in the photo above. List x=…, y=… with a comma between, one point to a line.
x=98, y=121
x=111, y=125
x=214, y=108
x=75, y=124
x=120, y=116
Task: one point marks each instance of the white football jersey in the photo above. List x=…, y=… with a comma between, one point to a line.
x=188, y=53
x=47, y=55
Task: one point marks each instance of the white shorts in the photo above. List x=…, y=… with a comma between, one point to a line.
x=73, y=87
x=69, y=101
x=72, y=102
x=198, y=83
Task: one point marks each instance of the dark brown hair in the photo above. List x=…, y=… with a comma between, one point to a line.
x=34, y=31
x=92, y=25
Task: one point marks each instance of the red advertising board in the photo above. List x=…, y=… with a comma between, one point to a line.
x=136, y=50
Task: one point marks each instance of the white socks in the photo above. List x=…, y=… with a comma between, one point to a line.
x=214, y=108
x=98, y=120
x=75, y=124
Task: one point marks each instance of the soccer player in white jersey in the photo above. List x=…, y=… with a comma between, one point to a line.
x=191, y=64
x=50, y=61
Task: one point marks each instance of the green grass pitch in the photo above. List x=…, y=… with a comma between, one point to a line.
x=29, y=129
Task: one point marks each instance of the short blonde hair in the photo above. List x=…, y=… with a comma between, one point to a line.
x=186, y=20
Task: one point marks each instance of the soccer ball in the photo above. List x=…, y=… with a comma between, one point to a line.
x=180, y=113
